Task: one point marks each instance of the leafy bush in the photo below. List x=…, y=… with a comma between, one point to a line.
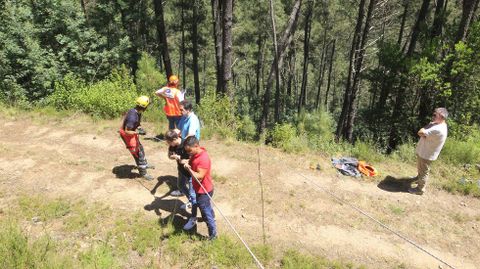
x=286, y=137
x=148, y=77
x=246, y=129
x=107, y=98
x=366, y=150
x=461, y=152
x=218, y=114
x=405, y=152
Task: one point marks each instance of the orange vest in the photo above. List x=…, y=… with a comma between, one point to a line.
x=172, y=103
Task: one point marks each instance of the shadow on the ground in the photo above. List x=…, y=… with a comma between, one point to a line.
x=393, y=184
x=177, y=218
x=171, y=182
x=125, y=171
x=157, y=138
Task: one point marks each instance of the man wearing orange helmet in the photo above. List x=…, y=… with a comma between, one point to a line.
x=173, y=97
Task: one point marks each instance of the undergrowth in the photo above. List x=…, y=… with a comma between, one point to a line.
x=87, y=236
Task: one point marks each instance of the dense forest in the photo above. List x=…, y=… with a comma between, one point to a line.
x=368, y=69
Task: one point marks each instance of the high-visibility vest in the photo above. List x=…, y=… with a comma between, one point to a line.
x=172, y=98
x=366, y=169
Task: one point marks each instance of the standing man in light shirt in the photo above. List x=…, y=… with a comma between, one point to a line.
x=189, y=124
x=432, y=139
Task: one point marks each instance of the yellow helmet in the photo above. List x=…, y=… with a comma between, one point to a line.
x=142, y=101
x=173, y=80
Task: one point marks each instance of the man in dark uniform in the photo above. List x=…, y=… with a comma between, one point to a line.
x=129, y=132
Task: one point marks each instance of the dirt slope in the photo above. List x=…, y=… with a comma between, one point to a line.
x=74, y=157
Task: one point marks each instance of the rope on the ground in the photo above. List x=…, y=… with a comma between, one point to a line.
x=259, y=264
x=342, y=201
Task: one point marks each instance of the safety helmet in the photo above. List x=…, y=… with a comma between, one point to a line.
x=173, y=80
x=142, y=101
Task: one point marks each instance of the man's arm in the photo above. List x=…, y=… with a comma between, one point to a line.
x=200, y=174
x=422, y=132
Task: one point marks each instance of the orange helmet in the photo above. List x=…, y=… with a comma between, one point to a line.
x=173, y=80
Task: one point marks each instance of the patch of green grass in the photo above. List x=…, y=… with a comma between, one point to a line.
x=219, y=178
x=397, y=210
x=18, y=251
x=98, y=257
x=85, y=217
x=293, y=259
x=224, y=252
x=45, y=209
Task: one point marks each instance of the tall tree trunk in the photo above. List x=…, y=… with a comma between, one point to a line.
x=217, y=37
x=275, y=62
x=306, y=54
x=259, y=66
x=406, y=4
x=348, y=89
x=84, y=9
x=227, y=48
x=398, y=111
x=330, y=68
x=422, y=14
x=129, y=23
x=468, y=10
x=284, y=42
x=162, y=36
x=348, y=135
x=196, y=78
x=438, y=19
x=182, y=48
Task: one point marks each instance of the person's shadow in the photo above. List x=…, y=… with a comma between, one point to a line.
x=393, y=184
x=125, y=171
x=178, y=217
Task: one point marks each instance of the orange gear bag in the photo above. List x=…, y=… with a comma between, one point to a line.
x=366, y=169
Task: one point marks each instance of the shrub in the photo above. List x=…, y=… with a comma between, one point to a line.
x=405, y=152
x=246, y=129
x=218, y=114
x=461, y=152
x=148, y=77
x=107, y=98
x=366, y=151
x=285, y=136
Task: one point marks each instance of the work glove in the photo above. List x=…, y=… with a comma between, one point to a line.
x=141, y=131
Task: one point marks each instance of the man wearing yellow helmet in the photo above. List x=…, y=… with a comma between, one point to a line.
x=129, y=132
x=173, y=97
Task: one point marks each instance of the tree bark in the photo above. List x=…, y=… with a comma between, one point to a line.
x=347, y=99
x=398, y=114
x=275, y=62
x=182, y=48
x=422, y=14
x=356, y=78
x=468, y=10
x=306, y=54
x=284, y=42
x=227, y=48
x=259, y=67
x=406, y=4
x=196, y=78
x=162, y=36
x=330, y=68
x=217, y=37
x=438, y=19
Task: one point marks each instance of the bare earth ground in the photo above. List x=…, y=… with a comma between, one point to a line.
x=77, y=158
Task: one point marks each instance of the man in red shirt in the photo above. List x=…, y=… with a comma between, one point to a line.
x=199, y=166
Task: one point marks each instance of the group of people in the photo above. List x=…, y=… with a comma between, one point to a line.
x=183, y=139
